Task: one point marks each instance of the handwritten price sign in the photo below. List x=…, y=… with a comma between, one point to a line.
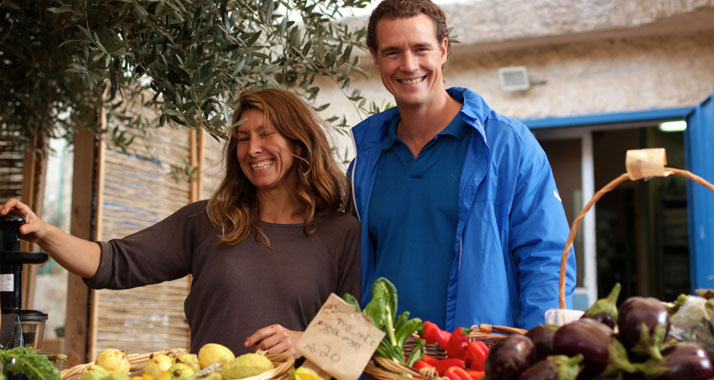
x=340, y=340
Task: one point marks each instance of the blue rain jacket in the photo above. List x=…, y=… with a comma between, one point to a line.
x=511, y=229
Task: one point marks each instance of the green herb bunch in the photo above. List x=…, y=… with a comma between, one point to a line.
x=24, y=360
x=382, y=310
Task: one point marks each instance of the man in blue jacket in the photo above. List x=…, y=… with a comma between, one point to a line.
x=458, y=204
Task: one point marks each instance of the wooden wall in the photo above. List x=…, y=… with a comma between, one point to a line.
x=115, y=194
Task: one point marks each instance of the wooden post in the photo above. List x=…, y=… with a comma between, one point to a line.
x=199, y=171
x=195, y=181
x=196, y=147
x=76, y=319
x=99, y=211
x=193, y=193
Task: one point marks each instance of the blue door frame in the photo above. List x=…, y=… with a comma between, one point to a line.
x=699, y=148
x=699, y=151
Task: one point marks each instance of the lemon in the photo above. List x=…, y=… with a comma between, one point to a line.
x=179, y=371
x=190, y=360
x=246, y=365
x=157, y=364
x=304, y=373
x=214, y=352
x=117, y=376
x=93, y=372
x=113, y=360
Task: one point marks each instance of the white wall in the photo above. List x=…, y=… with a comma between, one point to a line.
x=583, y=57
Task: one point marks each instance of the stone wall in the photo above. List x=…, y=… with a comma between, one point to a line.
x=582, y=57
x=480, y=22
x=603, y=76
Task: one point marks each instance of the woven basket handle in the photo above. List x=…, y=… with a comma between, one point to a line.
x=576, y=223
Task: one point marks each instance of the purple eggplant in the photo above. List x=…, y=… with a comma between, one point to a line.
x=554, y=367
x=603, y=354
x=542, y=338
x=644, y=326
x=509, y=357
x=680, y=361
x=621, y=376
x=604, y=310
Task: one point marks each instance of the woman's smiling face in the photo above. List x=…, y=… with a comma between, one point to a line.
x=265, y=155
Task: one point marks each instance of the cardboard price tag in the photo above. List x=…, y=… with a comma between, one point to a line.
x=643, y=163
x=340, y=340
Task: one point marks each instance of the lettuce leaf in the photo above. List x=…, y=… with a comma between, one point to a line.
x=24, y=360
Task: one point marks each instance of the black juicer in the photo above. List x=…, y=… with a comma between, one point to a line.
x=19, y=327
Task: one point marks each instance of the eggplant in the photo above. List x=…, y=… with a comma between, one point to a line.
x=621, y=376
x=509, y=357
x=603, y=354
x=604, y=310
x=554, y=367
x=644, y=326
x=542, y=338
x=680, y=361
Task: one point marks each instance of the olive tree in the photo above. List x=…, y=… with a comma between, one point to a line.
x=187, y=59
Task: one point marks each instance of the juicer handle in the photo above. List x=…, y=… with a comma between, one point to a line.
x=10, y=232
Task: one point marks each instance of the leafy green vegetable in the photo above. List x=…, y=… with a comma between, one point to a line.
x=24, y=360
x=350, y=299
x=382, y=310
x=417, y=353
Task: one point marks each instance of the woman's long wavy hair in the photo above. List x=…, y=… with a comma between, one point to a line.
x=321, y=188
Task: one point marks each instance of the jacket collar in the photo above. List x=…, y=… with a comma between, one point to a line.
x=475, y=110
x=370, y=133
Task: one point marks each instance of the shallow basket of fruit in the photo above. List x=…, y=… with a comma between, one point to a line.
x=132, y=363
x=213, y=362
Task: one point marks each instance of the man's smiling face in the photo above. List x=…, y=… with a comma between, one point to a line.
x=409, y=59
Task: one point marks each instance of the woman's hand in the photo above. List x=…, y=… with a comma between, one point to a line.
x=34, y=228
x=78, y=256
x=275, y=339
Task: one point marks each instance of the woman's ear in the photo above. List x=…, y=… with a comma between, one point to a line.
x=299, y=149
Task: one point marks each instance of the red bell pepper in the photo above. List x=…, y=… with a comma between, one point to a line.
x=419, y=364
x=476, y=354
x=457, y=373
x=476, y=375
x=430, y=359
x=444, y=364
x=433, y=334
x=456, y=348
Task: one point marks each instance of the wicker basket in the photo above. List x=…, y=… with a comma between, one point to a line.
x=578, y=220
x=282, y=363
x=136, y=362
x=385, y=369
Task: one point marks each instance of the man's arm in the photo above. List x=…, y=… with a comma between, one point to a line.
x=538, y=232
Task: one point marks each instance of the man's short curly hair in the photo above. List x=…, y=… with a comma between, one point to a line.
x=393, y=9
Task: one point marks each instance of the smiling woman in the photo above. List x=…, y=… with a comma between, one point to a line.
x=278, y=159
x=265, y=252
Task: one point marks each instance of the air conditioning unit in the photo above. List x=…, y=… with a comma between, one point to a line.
x=514, y=78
